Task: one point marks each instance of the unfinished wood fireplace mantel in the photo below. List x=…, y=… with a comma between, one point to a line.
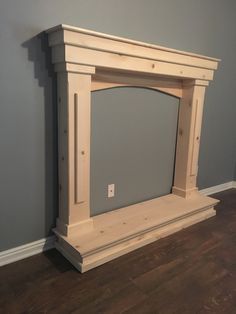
x=86, y=61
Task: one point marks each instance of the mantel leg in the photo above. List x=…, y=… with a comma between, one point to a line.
x=188, y=140
x=74, y=91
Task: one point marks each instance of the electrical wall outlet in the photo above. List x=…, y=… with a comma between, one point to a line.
x=111, y=190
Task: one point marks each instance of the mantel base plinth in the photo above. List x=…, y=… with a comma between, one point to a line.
x=123, y=230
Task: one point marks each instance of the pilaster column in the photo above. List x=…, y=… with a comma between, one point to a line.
x=188, y=138
x=74, y=90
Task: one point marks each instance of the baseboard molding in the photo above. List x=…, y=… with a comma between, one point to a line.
x=29, y=249
x=36, y=247
x=218, y=188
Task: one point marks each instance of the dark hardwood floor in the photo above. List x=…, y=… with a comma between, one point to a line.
x=193, y=271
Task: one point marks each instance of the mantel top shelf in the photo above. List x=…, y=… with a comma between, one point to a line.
x=126, y=40
x=72, y=46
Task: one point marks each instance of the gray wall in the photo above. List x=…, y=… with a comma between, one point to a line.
x=235, y=173
x=28, y=176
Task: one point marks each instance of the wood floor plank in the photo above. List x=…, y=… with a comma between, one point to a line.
x=192, y=271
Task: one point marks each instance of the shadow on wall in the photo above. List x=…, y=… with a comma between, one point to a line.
x=39, y=53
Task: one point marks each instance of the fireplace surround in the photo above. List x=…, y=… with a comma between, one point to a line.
x=86, y=61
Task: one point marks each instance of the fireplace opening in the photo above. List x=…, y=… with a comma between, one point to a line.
x=133, y=140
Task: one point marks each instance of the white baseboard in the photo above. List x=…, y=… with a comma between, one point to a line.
x=29, y=249
x=219, y=188
x=23, y=251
